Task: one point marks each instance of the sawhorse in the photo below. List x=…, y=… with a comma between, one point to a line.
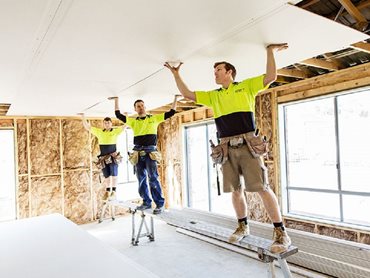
x=107, y=205
x=135, y=236
x=139, y=234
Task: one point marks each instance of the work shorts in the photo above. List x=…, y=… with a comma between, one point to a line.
x=242, y=169
x=110, y=169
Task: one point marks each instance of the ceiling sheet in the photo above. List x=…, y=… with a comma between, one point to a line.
x=81, y=52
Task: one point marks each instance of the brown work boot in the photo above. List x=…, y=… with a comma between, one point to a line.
x=240, y=232
x=106, y=196
x=281, y=241
x=112, y=196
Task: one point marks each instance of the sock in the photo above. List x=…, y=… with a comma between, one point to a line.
x=243, y=220
x=279, y=224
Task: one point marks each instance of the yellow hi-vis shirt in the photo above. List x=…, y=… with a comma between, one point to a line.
x=233, y=107
x=106, y=137
x=146, y=126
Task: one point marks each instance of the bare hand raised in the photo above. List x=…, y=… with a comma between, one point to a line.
x=277, y=46
x=173, y=69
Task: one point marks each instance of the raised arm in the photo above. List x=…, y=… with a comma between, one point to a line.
x=184, y=90
x=86, y=125
x=117, y=112
x=174, y=103
x=271, y=73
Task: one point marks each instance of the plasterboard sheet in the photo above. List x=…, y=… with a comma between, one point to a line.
x=99, y=49
x=52, y=246
x=19, y=21
x=245, y=48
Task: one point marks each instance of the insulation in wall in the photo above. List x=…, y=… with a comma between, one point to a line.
x=77, y=196
x=271, y=175
x=98, y=192
x=95, y=144
x=256, y=210
x=299, y=225
x=23, y=198
x=22, y=147
x=170, y=167
x=364, y=238
x=44, y=147
x=46, y=195
x=75, y=140
x=337, y=233
x=266, y=121
x=6, y=123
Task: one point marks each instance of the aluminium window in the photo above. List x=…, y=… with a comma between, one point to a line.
x=325, y=157
x=201, y=176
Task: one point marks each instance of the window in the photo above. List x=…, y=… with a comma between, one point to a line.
x=127, y=188
x=325, y=165
x=202, y=189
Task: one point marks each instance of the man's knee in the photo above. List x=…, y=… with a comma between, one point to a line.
x=236, y=194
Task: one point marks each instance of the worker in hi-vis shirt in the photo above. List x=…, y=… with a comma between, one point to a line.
x=109, y=158
x=242, y=167
x=145, y=155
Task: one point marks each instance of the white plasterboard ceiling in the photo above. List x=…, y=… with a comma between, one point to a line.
x=62, y=57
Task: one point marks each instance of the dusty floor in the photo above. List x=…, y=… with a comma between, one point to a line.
x=173, y=254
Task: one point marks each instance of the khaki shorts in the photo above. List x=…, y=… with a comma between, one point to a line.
x=243, y=169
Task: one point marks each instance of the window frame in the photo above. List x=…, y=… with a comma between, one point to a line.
x=283, y=167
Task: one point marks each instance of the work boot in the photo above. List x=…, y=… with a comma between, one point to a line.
x=106, y=196
x=144, y=207
x=281, y=241
x=240, y=232
x=158, y=210
x=112, y=196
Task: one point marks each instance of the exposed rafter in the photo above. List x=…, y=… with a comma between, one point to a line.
x=308, y=4
x=361, y=5
x=292, y=73
x=313, y=62
x=362, y=46
x=355, y=13
x=4, y=107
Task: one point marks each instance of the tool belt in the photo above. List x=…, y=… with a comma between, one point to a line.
x=219, y=153
x=257, y=144
x=134, y=156
x=103, y=160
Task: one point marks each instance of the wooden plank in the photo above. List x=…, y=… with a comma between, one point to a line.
x=318, y=63
x=93, y=213
x=292, y=73
x=355, y=13
x=362, y=46
x=308, y=4
x=61, y=163
x=29, y=168
x=352, y=73
x=360, y=6
x=325, y=90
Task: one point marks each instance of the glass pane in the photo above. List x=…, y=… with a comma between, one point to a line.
x=197, y=166
x=354, y=138
x=130, y=146
x=356, y=209
x=122, y=168
x=323, y=205
x=311, y=145
x=219, y=204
